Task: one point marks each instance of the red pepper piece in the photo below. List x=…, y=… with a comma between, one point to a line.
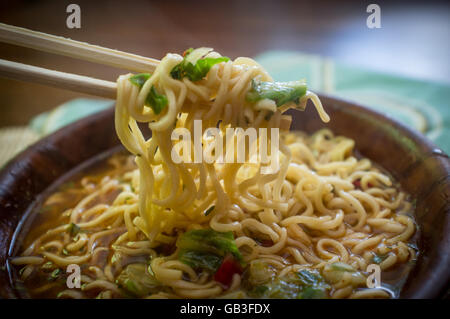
x=357, y=183
x=227, y=269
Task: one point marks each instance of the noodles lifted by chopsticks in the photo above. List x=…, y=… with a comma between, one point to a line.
x=178, y=194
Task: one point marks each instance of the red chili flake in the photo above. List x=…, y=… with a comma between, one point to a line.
x=357, y=184
x=227, y=269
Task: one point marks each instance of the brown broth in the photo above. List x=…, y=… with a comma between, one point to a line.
x=52, y=213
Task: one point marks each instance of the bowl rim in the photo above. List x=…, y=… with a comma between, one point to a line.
x=440, y=278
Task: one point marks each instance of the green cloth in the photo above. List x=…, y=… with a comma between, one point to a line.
x=421, y=105
x=48, y=122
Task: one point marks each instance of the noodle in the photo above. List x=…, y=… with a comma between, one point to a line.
x=324, y=212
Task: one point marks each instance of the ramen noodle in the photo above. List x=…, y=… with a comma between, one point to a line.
x=159, y=224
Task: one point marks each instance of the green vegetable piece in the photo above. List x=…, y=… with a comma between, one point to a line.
x=209, y=210
x=206, y=248
x=156, y=101
x=73, y=229
x=314, y=285
x=135, y=280
x=47, y=265
x=193, y=66
x=310, y=278
x=339, y=266
x=259, y=273
x=209, y=241
x=198, y=259
x=339, y=271
x=55, y=274
x=312, y=293
x=259, y=291
x=305, y=284
x=378, y=259
x=279, y=92
x=140, y=79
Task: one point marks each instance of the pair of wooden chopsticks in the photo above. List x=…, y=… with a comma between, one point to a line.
x=75, y=49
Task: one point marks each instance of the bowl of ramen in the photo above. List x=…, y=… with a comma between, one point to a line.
x=117, y=205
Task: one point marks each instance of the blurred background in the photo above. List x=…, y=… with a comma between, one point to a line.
x=413, y=41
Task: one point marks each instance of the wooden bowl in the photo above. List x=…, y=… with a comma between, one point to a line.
x=422, y=169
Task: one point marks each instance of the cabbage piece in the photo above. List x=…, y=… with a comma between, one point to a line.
x=198, y=259
x=206, y=248
x=339, y=271
x=136, y=281
x=304, y=284
x=279, y=92
x=258, y=273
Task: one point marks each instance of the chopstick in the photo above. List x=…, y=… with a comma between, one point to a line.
x=63, y=80
x=75, y=49
x=71, y=48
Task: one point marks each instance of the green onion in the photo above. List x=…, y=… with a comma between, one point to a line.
x=140, y=79
x=156, y=101
x=55, y=274
x=47, y=265
x=73, y=229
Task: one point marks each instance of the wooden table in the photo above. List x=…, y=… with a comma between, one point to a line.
x=413, y=40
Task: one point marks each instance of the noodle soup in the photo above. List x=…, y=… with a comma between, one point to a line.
x=308, y=252
x=324, y=224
